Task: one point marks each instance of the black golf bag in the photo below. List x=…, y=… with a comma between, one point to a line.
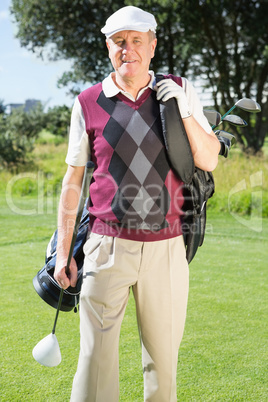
x=44, y=282
x=196, y=194
x=198, y=185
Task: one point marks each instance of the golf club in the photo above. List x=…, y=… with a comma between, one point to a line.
x=225, y=146
x=226, y=140
x=47, y=351
x=213, y=117
x=248, y=105
x=235, y=120
x=225, y=134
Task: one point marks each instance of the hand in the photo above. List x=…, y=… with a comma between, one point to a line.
x=167, y=89
x=63, y=279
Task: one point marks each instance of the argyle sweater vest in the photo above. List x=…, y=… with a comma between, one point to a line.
x=134, y=193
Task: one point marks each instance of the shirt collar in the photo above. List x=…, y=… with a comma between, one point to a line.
x=110, y=89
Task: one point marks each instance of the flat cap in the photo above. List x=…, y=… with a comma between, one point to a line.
x=129, y=18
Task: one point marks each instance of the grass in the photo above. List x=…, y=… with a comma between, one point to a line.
x=223, y=355
x=239, y=180
x=46, y=137
x=225, y=335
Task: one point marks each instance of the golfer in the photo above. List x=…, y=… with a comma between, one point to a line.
x=135, y=240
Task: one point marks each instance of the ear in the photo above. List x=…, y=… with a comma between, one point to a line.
x=153, y=46
x=108, y=44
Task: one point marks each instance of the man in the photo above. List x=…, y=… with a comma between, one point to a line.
x=135, y=239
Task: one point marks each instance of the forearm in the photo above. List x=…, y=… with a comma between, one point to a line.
x=205, y=147
x=68, y=205
x=71, y=189
x=66, y=220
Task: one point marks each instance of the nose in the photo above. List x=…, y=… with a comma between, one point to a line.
x=127, y=47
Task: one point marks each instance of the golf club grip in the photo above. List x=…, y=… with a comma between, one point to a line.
x=89, y=169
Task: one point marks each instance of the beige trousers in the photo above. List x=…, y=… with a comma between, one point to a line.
x=159, y=276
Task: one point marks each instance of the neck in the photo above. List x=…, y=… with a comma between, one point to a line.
x=131, y=85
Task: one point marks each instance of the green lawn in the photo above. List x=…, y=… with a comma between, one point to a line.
x=223, y=356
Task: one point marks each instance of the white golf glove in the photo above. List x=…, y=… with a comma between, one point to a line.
x=167, y=89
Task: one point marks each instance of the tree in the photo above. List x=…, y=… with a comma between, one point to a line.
x=224, y=42
x=70, y=29
x=17, y=135
x=2, y=106
x=57, y=120
x=233, y=57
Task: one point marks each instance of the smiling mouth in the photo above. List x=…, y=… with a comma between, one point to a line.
x=128, y=61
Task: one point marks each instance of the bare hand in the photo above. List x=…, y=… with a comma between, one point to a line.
x=65, y=279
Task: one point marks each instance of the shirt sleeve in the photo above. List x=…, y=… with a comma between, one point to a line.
x=78, y=149
x=195, y=105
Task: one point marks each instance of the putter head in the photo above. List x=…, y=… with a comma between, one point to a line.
x=213, y=117
x=235, y=120
x=249, y=105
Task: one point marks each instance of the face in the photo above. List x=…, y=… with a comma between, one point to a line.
x=130, y=53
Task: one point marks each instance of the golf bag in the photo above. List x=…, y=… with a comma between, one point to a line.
x=198, y=184
x=45, y=284
x=196, y=194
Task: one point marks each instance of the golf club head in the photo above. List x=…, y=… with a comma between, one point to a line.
x=213, y=117
x=249, y=105
x=225, y=146
x=225, y=134
x=235, y=120
x=47, y=351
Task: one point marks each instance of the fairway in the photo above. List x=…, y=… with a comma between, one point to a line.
x=223, y=355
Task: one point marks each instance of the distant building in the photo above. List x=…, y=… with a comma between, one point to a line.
x=13, y=106
x=31, y=104
x=27, y=106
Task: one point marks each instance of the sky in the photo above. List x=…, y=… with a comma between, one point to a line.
x=23, y=75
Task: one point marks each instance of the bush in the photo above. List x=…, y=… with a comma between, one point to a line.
x=57, y=120
x=20, y=129
x=46, y=137
x=17, y=135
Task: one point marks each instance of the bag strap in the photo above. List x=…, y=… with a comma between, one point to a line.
x=175, y=137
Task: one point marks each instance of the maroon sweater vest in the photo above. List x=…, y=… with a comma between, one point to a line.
x=134, y=193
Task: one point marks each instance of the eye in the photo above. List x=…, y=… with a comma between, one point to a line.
x=119, y=42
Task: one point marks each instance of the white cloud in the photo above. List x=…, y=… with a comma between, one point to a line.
x=4, y=15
